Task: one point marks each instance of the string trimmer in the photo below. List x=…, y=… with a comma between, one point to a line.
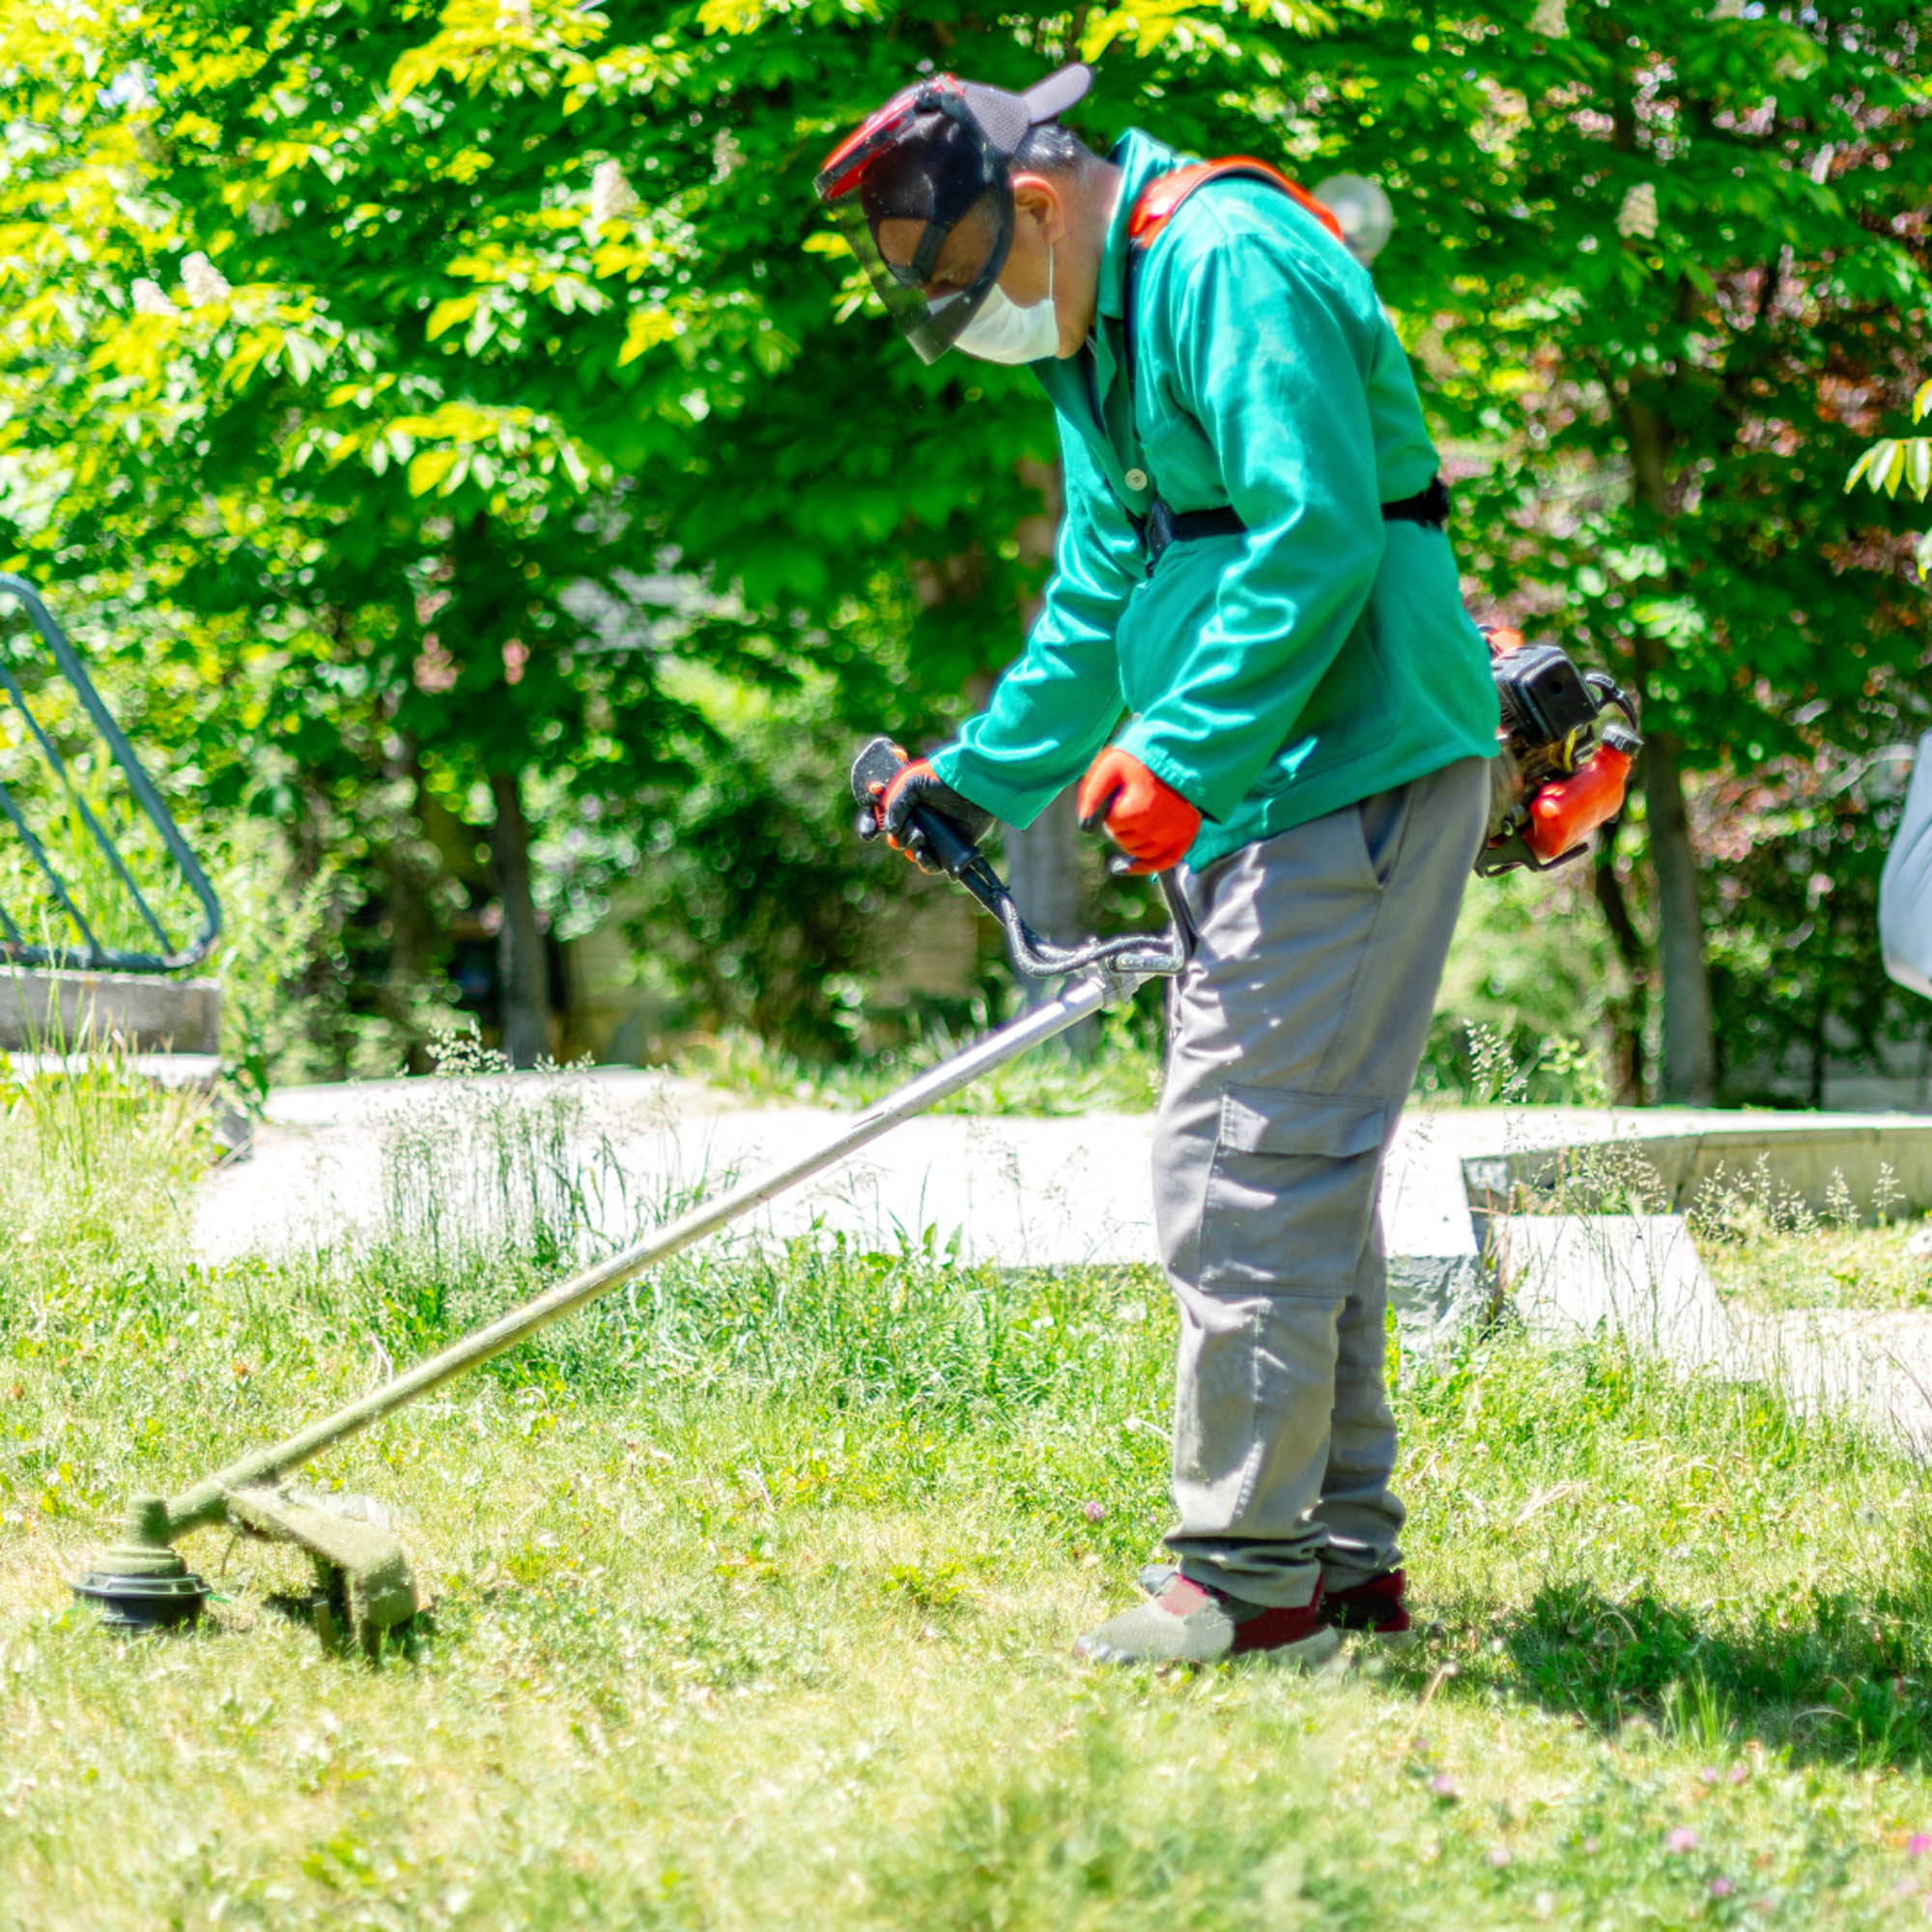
x=364, y=1587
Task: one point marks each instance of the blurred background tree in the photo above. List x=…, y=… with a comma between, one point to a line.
x=480, y=465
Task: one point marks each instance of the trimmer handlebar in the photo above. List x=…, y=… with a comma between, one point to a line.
x=1132, y=956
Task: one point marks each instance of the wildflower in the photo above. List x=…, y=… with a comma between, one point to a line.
x=1637, y=219
x=1547, y=22
x=1721, y=1887
x=150, y=298
x=266, y=217
x=1442, y=1785
x=203, y=280
x=1092, y=1511
x=1499, y=1856
x=1740, y=1773
x=1681, y=1839
x=610, y=195
x=1918, y=1844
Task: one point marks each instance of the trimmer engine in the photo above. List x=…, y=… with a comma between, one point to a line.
x=1560, y=772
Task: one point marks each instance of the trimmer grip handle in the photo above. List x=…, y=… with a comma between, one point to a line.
x=878, y=763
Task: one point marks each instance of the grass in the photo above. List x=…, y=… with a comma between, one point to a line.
x=1767, y=1251
x=757, y=1590
x=1120, y=1074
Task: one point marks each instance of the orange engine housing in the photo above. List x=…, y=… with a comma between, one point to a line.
x=1564, y=813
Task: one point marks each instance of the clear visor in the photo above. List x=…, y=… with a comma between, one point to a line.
x=933, y=280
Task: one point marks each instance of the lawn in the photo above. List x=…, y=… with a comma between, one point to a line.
x=758, y=1586
x=1768, y=1251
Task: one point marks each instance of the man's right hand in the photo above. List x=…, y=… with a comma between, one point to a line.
x=919, y=787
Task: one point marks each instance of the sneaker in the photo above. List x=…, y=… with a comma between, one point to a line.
x=1182, y=1622
x=1374, y=1609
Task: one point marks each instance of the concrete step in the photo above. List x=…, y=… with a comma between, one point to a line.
x=47, y=1013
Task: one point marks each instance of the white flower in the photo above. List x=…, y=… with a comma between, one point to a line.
x=1637, y=219
x=266, y=217
x=150, y=298
x=610, y=195
x=1548, y=21
x=203, y=280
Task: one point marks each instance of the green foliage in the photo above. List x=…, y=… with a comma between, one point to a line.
x=342, y=345
x=1524, y=997
x=1908, y=460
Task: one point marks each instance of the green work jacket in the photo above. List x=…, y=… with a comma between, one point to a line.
x=1271, y=676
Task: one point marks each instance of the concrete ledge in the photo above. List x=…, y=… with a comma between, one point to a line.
x=1637, y=1275
x=1801, y=1153
x=45, y=1012
x=1875, y=1363
x=200, y=1072
x=1437, y=1298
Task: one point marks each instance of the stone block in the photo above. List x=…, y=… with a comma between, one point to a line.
x=1636, y=1275
x=49, y=1013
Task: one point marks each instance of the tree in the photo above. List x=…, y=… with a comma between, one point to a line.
x=379, y=398
x=358, y=335
x=1908, y=460
x=1666, y=257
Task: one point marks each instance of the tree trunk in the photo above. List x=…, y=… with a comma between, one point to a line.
x=1627, y=1013
x=1043, y=862
x=1688, y=1075
x=1690, y=1057
x=1043, y=859
x=522, y=974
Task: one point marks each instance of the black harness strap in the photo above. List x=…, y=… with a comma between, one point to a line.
x=1161, y=526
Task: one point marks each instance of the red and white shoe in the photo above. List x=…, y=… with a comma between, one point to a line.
x=1374, y=1609
x=1185, y=1622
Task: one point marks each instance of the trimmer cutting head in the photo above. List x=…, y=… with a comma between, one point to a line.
x=364, y=1590
x=141, y=1585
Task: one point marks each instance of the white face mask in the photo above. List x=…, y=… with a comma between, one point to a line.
x=1002, y=332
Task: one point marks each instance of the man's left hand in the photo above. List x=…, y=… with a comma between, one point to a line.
x=918, y=786
x=1148, y=819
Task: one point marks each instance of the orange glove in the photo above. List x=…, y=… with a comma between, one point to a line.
x=1149, y=820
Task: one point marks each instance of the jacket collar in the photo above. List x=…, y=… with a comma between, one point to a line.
x=1139, y=159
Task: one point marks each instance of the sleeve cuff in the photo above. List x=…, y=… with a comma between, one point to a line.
x=971, y=777
x=1143, y=742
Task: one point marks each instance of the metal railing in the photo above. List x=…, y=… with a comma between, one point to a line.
x=170, y=954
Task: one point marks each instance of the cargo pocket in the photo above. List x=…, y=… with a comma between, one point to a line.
x=1290, y=1191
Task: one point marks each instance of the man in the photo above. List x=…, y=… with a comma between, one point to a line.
x=1253, y=571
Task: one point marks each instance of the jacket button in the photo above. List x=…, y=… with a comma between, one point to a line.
x=1136, y=479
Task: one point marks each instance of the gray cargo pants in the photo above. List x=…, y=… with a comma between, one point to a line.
x=1294, y=1032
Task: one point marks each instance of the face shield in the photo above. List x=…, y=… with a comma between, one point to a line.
x=922, y=194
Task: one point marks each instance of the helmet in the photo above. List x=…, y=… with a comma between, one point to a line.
x=922, y=194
